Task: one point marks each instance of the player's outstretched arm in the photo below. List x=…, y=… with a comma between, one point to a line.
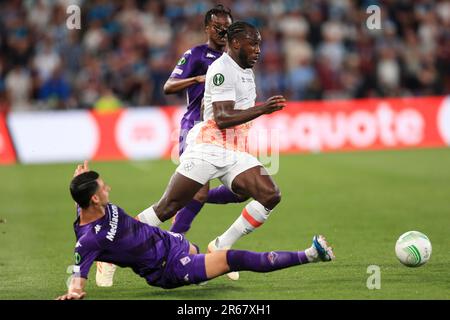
x=76, y=290
x=174, y=85
x=226, y=116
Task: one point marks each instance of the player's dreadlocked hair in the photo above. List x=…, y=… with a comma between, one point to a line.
x=217, y=10
x=83, y=187
x=237, y=28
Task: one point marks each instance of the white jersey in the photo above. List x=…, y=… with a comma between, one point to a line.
x=225, y=81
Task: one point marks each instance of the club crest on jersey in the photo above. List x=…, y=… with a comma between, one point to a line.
x=218, y=79
x=272, y=257
x=185, y=260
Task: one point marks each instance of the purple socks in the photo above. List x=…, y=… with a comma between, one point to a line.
x=241, y=260
x=185, y=216
x=222, y=195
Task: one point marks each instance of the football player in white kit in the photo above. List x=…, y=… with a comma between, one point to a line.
x=217, y=147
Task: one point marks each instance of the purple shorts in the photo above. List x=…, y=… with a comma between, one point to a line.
x=181, y=268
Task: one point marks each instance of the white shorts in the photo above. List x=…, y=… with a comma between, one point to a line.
x=203, y=163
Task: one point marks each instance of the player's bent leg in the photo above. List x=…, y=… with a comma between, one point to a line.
x=105, y=274
x=184, y=217
x=179, y=192
x=259, y=185
x=213, y=246
x=216, y=264
x=223, y=195
x=254, y=213
x=253, y=183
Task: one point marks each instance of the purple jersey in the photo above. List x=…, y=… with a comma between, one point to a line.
x=194, y=62
x=159, y=256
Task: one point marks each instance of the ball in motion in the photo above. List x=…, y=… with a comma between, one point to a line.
x=413, y=249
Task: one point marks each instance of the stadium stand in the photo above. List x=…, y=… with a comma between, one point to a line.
x=311, y=50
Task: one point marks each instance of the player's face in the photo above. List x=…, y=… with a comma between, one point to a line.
x=217, y=24
x=249, y=50
x=103, y=192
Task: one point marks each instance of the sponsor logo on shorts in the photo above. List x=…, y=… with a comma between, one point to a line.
x=77, y=258
x=189, y=165
x=184, y=261
x=181, y=61
x=186, y=277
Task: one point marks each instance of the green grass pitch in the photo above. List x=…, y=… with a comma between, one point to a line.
x=362, y=202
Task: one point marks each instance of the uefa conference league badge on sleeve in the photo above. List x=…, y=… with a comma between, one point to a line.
x=218, y=79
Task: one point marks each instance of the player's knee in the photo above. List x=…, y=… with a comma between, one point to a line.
x=271, y=198
x=167, y=209
x=243, y=198
x=201, y=196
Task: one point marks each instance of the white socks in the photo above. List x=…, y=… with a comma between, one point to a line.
x=253, y=215
x=311, y=254
x=148, y=216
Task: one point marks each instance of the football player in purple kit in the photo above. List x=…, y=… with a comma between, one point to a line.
x=105, y=232
x=189, y=74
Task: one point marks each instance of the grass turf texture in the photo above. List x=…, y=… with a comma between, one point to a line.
x=361, y=201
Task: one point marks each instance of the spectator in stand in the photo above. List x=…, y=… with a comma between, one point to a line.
x=55, y=91
x=107, y=102
x=18, y=88
x=312, y=49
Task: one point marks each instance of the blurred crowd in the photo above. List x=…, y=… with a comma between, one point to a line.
x=126, y=50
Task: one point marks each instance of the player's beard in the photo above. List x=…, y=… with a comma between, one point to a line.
x=243, y=57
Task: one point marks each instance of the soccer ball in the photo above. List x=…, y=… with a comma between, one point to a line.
x=413, y=249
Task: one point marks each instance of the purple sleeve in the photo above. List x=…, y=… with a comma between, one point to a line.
x=185, y=67
x=85, y=255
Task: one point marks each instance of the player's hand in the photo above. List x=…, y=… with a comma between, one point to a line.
x=200, y=79
x=72, y=296
x=81, y=168
x=274, y=103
